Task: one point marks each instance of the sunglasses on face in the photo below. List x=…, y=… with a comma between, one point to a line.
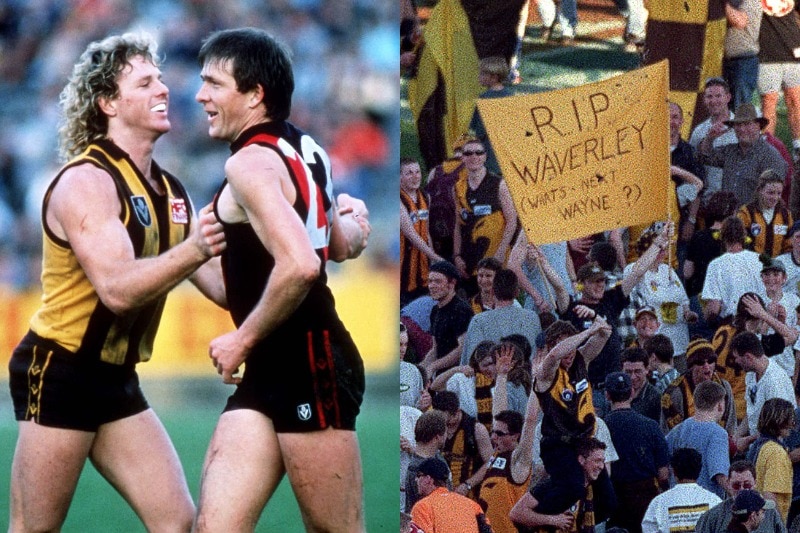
x=500, y=433
x=473, y=152
x=739, y=485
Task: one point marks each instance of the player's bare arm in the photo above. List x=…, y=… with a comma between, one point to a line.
x=85, y=210
x=267, y=204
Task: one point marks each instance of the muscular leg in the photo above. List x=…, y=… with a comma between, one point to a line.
x=45, y=471
x=243, y=467
x=769, y=103
x=324, y=468
x=136, y=456
x=792, y=97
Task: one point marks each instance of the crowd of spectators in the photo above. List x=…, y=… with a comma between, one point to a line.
x=609, y=329
x=346, y=94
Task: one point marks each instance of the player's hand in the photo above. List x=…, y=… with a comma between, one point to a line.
x=359, y=212
x=584, y=312
x=425, y=401
x=505, y=359
x=208, y=232
x=227, y=352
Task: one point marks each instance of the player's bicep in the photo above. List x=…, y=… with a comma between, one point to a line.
x=256, y=186
x=85, y=208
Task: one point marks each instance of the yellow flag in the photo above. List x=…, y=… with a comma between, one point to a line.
x=449, y=52
x=587, y=159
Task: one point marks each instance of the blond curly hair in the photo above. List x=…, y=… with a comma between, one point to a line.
x=93, y=77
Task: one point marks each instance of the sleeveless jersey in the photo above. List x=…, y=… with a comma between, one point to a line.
x=71, y=313
x=727, y=367
x=246, y=263
x=567, y=404
x=414, y=263
x=461, y=451
x=499, y=492
x=769, y=238
x=480, y=219
x=483, y=398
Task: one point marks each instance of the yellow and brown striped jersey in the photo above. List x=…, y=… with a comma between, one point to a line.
x=71, y=313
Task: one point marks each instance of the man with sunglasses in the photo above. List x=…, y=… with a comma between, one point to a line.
x=741, y=476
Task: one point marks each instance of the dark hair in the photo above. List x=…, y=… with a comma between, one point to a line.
x=256, y=58
x=483, y=350
x=446, y=401
x=408, y=161
x=585, y=446
x=719, y=82
x=604, y=254
x=521, y=341
x=661, y=346
x=506, y=285
x=732, y=231
x=634, y=354
x=747, y=342
x=720, y=206
x=430, y=425
x=512, y=419
x=708, y=394
x=557, y=330
x=490, y=263
x=742, y=465
x=686, y=463
x=776, y=415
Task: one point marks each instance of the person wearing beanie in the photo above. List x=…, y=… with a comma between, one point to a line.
x=678, y=401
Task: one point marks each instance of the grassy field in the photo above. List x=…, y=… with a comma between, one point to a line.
x=189, y=409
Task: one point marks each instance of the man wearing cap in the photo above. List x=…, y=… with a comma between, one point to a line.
x=646, y=323
x=441, y=509
x=449, y=319
x=748, y=511
x=741, y=478
x=678, y=402
x=643, y=464
x=596, y=300
x=742, y=163
x=783, y=306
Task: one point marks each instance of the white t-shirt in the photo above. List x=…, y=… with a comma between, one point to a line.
x=678, y=509
x=731, y=275
x=775, y=383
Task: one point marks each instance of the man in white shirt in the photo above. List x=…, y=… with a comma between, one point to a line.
x=764, y=380
x=716, y=98
x=679, y=508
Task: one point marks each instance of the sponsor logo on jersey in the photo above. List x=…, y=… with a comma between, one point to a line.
x=304, y=412
x=142, y=211
x=177, y=207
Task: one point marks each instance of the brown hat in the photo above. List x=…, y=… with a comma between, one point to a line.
x=590, y=271
x=747, y=113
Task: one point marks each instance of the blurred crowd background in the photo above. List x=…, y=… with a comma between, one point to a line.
x=346, y=94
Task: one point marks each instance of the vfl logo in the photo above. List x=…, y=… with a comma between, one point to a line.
x=304, y=412
x=142, y=211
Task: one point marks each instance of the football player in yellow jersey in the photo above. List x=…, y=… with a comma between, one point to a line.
x=118, y=235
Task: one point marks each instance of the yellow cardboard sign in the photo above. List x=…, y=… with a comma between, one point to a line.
x=586, y=159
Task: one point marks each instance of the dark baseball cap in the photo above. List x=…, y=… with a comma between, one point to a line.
x=749, y=501
x=436, y=468
x=618, y=383
x=445, y=267
x=591, y=271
